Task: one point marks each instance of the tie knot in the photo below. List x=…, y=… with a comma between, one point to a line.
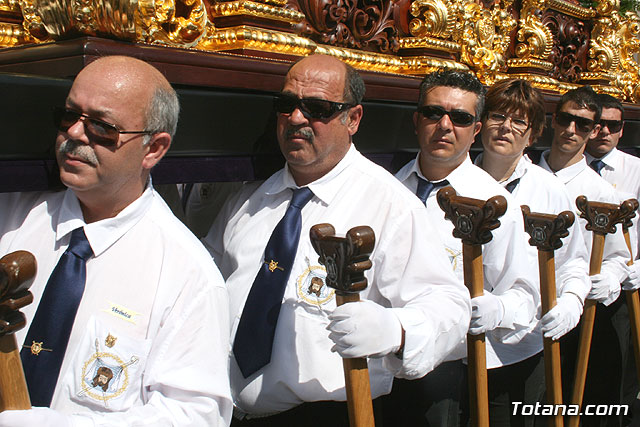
x=79, y=245
x=301, y=197
x=425, y=188
x=597, y=165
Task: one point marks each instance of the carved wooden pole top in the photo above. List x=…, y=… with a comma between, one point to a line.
x=546, y=230
x=602, y=217
x=628, y=210
x=345, y=258
x=473, y=219
x=17, y=271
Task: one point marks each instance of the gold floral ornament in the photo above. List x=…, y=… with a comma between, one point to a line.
x=486, y=38
x=629, y=78
x=536, y=40
x=435, y=18
x=159, y=22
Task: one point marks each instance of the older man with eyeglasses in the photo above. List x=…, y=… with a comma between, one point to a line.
x=288, y=335
x=446, y=122
x=130, y=321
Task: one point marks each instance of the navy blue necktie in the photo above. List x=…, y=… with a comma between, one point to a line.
x=597, y=165
x=49, y=332
x=256, y=330
x=512, y=185
x=426, y=187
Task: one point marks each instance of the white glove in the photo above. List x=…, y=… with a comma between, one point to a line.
x=35, y=417
x=364, y=329
x=604, y=288
x=632, y=282
x=563, y=317
x=486, y=313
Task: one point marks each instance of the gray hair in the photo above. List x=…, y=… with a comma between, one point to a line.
x=354, y=87
x=162, y=112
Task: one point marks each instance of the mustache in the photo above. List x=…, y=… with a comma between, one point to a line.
x=305, y=133
x=80, y=150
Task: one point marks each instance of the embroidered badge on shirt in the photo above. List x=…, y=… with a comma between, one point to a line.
x=105, y=375
x=121, y=312
x=311, y=286
x=110, y=341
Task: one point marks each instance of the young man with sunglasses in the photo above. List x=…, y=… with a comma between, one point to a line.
x=413, y=311
x=446, y=121
x=575, y=121
x=129, y=324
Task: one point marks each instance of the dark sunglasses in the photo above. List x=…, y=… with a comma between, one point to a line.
x=613, y=125
x=310, y=108
x=458, y=118
x=582, y=123
x=98, y=131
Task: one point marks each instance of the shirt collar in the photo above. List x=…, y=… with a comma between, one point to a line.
x=611, y=159
x=414, y=168
x=518, y=172
x=324, y=188
x=104, y=233
x=565, y=174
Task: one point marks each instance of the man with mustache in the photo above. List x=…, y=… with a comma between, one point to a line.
x=122, y=286
x=575, y=121
x=413, y=311
x=446, y=122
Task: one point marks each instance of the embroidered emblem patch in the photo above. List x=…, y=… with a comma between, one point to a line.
x=110, y=341
x=311, y=286
x=105, y=375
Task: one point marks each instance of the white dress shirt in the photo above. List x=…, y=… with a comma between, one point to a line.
x=581, y=180
x=154, y=312
x=410, y=273
x=545, y=193
x=508, y=273
x=622, y=170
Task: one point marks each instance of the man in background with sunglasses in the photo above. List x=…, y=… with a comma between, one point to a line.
x=576, y=121
x=621, y=170
x=129, y=324
x=410, y=316
x=446, y=121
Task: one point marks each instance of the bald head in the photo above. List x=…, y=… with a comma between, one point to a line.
x=354, y=87
x=139, y=81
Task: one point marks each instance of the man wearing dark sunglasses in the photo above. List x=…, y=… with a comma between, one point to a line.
x=622, y=170
x=130, y=323
x=446, y=121
x=413, y=311
x=575, y=121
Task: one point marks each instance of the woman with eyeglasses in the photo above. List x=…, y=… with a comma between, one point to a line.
x=513, y=119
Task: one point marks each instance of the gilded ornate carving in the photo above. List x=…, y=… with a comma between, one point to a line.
x=32, y=22
x=571, y=9
x=10, y=5
x=423, y=64
x=245, y=37
x=629, y=79
x=429, y=43
x=158, y=22
x=435, y=18
x=363, y=24
x=364, y=60
x=535, y=39
x=486, y=37
x=11, y=34
x=260, y=10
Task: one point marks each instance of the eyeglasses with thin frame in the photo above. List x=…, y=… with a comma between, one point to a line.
x=614, y=126
x=311, y=108
x=99, y=132
x=458, y=117
x=583, y=124
x=497, y=119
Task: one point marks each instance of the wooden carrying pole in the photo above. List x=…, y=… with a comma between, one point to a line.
x=601, y=220
x=629, y=208
x=347, y=258
x=546, y=231
x=473, y=221
x=17, y=270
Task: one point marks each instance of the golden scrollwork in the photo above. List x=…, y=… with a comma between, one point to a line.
x=429, y=43
x=11, y=34
x=571, y=9
x=260, y=10
x=363, y=60
x=253, y=38
x=486, y=38
x=32, y=23
x=157, y=22
x=435, y=18
x=424, y=65
x=10, y=6
x=536, y=40
x=628, y=80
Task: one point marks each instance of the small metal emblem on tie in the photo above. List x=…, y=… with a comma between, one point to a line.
x=36, y=348
x=110, y=341
x=273, y=265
